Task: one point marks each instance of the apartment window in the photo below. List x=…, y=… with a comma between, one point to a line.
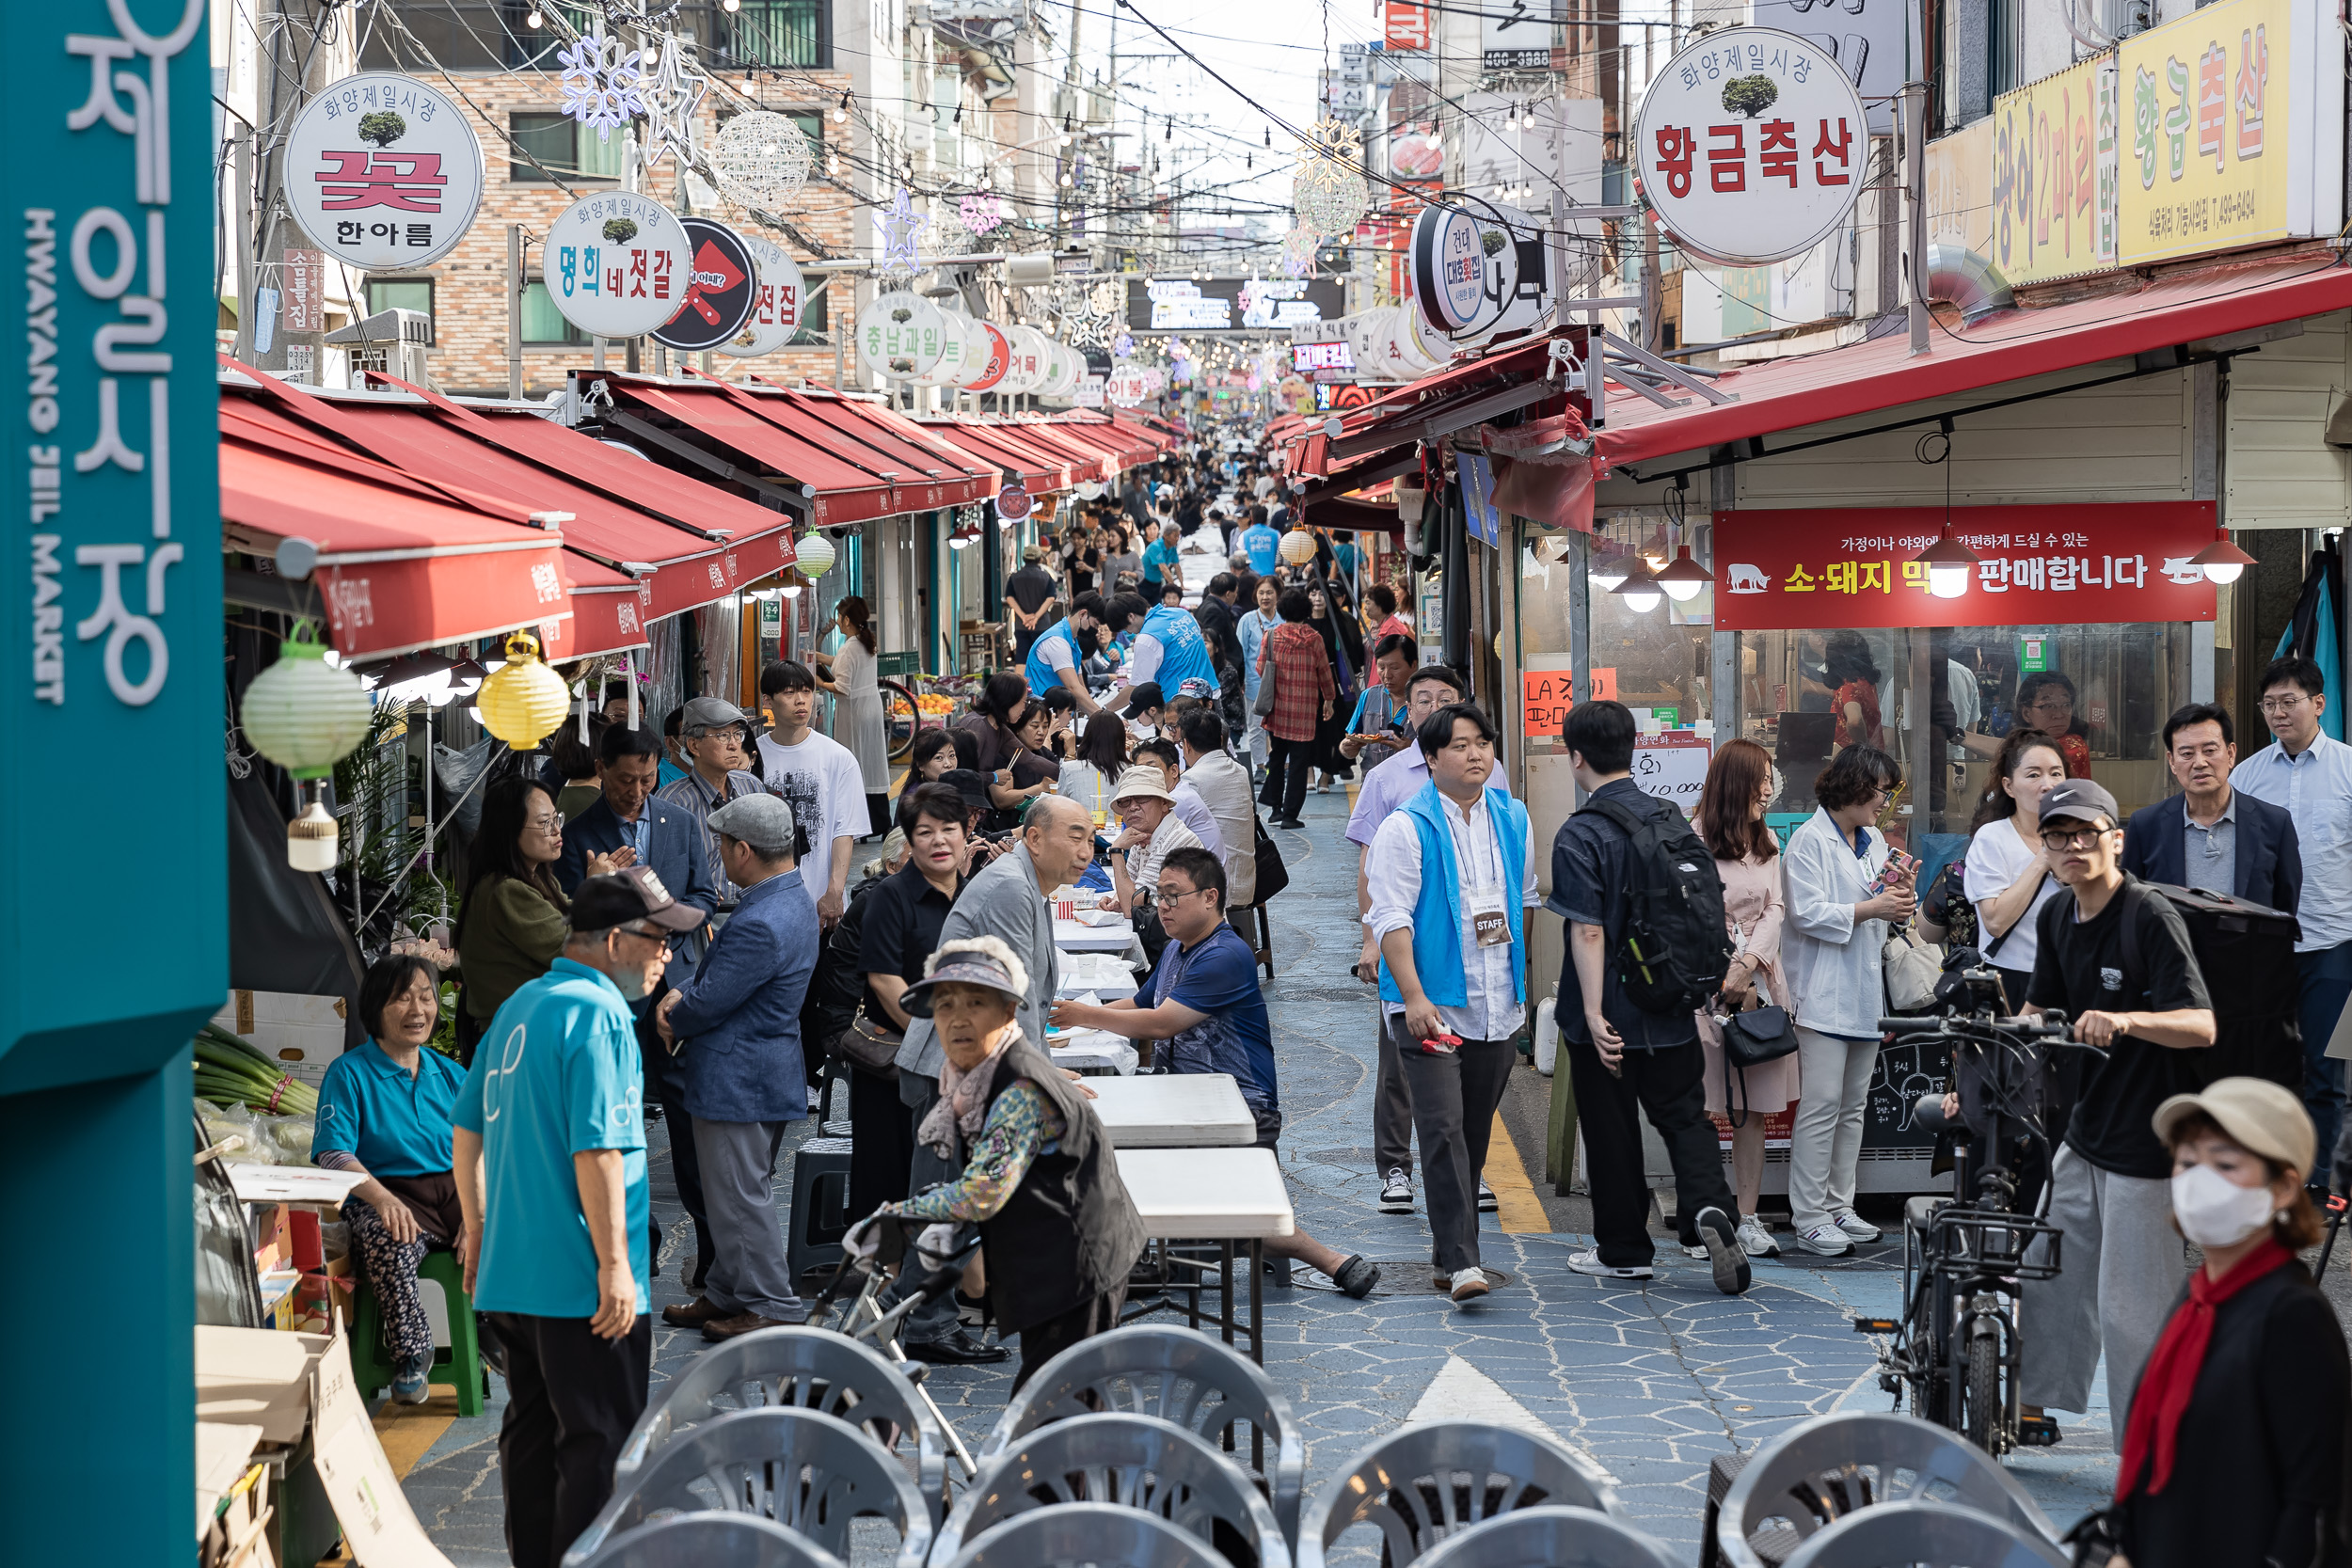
x=544, y=325
x=400, y=293
x=551, y=144
x=814, y=322
x=777, y=33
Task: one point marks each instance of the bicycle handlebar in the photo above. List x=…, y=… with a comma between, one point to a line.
x=1941, y=1023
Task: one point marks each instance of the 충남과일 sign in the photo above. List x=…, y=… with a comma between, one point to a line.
x=1752, y=145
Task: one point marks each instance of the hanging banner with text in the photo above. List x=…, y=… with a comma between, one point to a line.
x=1856, y=566
x=2054, y=160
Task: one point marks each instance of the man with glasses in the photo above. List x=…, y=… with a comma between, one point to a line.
x=714, y=735
x=736, y=1026
x=549, y=1159
x=2136, y=996
x=2308, y=774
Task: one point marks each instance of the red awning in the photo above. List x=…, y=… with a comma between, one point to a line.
x=1450, y=400
x=1086, y=460
x=400, y=566
x=1039, y=468
x=2169, y=312
x=837, y=487
x=1130, y=444
x=927, y=471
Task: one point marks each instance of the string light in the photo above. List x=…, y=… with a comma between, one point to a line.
x=841, y=110
x=534, y=19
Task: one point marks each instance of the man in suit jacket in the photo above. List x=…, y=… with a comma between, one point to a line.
x=736, y=1026
x=1005, y=900
x=635, y=828
x=2213, y=836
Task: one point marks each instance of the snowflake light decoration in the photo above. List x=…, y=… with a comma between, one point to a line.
x=1328, y=192
x=981, y=212
x=901, y=229
x=971, y=517
x=1121, y=346
x=1110, y=298
x=673, y=93
x=602, y=85
x=761, y=160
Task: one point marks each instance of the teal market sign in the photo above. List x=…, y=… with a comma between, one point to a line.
x=114, y=635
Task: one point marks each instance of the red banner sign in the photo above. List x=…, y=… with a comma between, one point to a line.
x=1406, y=25
x=2035, y=565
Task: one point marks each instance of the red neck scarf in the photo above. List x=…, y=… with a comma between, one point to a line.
x=2165, y=1387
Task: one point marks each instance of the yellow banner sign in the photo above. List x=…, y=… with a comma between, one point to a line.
x=2207, y=163
x=2055, y=173
x=1960, y=189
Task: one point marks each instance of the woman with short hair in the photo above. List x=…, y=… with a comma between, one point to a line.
x=513, y=917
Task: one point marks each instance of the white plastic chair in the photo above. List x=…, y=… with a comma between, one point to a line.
x=1075, y=1535
x=810, y=1472
x=1550, y=1537
x=1930, y=1535
x=1425, y=1483
x=711, y=1541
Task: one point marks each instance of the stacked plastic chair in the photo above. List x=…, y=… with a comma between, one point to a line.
x=711, y=1541
x=1079, y=1535
x=1931, y=1535
x=1427, y=1482
x=1550, y=1537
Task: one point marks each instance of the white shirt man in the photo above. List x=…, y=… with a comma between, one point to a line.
x=820, y=778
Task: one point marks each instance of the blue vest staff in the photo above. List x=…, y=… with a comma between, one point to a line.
x=1057, y=660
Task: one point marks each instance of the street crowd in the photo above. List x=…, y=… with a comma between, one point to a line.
x=673, y=927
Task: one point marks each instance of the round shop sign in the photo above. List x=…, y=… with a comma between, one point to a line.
x=954, y=344
x=777, y=301
x=1752, y=144
x=617, y=263
x=722, y=287
x=1125, y=386
x=900, y=336
x=1451, y=247
x=993, y=358
x=1021, y=372
x=982, y=361
x=383, y=172
x=1013, y=503
x=1066, y=366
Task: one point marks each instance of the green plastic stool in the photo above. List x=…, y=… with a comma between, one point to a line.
x=459, y=1364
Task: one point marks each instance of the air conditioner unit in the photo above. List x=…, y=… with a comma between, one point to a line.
x=394, y=343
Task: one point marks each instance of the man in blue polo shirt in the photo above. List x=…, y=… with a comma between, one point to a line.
x=1202, y=1000
x=1263, y=545
x=1056, y=660
x=550, y=1154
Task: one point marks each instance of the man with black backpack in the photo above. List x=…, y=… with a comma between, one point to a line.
x=1646, y=947
x=1452, y=874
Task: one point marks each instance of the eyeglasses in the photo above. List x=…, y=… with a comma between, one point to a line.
x=546, y=824
x=2073, y=838
x=2283, y=705
x=1166, y=898
x=665, y=938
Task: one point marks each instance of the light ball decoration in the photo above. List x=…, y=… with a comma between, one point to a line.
x=1298, y=546
x=306, y=715
x=1328, y=192
x=761, y=159
x=525, y=702
x=813, y=555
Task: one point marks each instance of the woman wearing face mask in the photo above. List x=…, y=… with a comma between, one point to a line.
x=2235, y=1452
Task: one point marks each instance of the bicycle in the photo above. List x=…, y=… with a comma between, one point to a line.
x=1955, y=1351
x=902, y=718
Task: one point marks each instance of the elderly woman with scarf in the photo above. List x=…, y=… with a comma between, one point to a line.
x=1328, y=617
x=2238, y=1449
x=1057, y=1230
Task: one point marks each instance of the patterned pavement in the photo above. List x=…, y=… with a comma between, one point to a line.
x=1650, y=1382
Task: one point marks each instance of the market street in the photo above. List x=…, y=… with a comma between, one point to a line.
x=1648, y=1382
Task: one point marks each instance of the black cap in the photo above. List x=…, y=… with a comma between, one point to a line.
x=2081, y=800
x=635, y=894
x=972, y=784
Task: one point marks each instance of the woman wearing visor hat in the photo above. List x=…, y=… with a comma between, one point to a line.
x=1057, y=1230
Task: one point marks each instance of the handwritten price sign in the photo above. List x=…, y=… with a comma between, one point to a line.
x=1545, y=698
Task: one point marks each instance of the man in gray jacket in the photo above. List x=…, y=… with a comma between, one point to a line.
x=1007, y=900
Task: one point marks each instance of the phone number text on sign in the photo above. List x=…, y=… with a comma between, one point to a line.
x=1790, y=570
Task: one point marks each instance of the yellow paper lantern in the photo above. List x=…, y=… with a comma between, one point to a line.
x=1298, y=546
x=525, y=702
x=304, y=714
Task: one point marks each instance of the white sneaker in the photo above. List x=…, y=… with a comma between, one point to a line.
x=1754, y=1240
x=1827, y=1240
x=1487, y=1203
x=1589, y=1262
x=1397, y=1193
x=1859, y=1229
x=1469, y=1284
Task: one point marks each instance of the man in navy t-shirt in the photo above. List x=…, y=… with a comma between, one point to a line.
x=1203, y=1001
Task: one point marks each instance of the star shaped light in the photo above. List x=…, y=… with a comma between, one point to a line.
x=899, y=227
x=673, y=95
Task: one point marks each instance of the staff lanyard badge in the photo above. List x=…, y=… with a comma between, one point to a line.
x=1489, y=922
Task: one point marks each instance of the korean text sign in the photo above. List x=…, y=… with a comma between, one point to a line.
x=2055, y=174
x=1855, y=566
x=113, y=430
x=2224, y=129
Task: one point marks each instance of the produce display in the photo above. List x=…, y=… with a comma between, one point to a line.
x=230, y=1072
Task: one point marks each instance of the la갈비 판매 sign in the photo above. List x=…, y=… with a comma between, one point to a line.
x=1857, y=567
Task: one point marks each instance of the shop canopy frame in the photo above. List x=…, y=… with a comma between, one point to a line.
x=1497, y=383
x=1034, y=465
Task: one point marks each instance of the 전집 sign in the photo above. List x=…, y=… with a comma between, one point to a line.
x=383, y=172
x=2035, y=565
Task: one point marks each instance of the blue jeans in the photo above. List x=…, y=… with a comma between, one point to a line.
x=2327, y=974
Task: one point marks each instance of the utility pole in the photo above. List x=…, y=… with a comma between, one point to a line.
x=1916, y=198
x=514, y=312
x=294, y=67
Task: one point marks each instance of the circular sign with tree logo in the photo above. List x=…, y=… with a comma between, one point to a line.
x=900, y=336
x=616, y=264
x=383, y=172
x=1752, y=146
x=722, y=287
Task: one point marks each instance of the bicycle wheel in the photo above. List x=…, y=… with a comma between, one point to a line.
x=902, y=720
x=1981, y=1397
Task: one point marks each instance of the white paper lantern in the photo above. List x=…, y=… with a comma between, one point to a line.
x=762, y=160
x=1298, y=546
x=304, y=714
x=814, y=555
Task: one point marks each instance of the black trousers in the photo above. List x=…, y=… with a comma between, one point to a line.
x=1286, y=769
x=665, y=1083
x=1043, y=1342
x=1453, y=1097
x=1669, y=1086
x=882, y=1142
x=572, y=1399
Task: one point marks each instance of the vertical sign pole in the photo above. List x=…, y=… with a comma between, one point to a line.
x=1916, y=200
x=514, y=312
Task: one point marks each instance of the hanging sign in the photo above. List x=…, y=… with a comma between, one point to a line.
x=2035, y=565
x=722, y=287
x=1752, y=145
x=2054, y=175
x=383, y=172
x=1451, y=247
x=775, y=313
x=900, y=336
x=1013, y=503
x=617, y=265
x=955, y=351
x=1404, y=25
x=991, y=358
x=304, y=295
x=1517, y=37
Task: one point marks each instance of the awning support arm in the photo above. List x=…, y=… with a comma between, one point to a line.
x=647, y=431
x=1623, y=352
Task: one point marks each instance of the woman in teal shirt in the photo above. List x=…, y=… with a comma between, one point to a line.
x=384, y=1112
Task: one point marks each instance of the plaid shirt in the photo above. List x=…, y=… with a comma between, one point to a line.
x=1301, y=668
x=698, y=800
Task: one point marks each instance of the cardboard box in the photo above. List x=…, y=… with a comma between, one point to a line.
x=253, y=1376
x=304, y=1033
x=273, y=1238
x=381, y=1528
